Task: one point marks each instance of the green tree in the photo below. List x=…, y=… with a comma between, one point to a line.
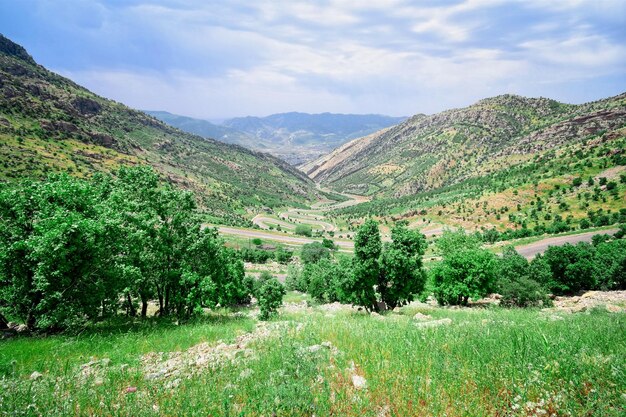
x=515, y=284
x=270, y=298
x=358, y=287
x=304, y=230
x=572, y=268
x=464, y=274
x=401, y=276
x=313, y=252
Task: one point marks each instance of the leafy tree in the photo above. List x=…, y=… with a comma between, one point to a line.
x=572, y=267
x=304, y=230
x=270, y=298
x=282, y=255
x=327, y=243
x=609, y=258
x=322, y=278
x=515, y=284
x=358, y=287
x=402, y=277
x=313, y=252
x=464, y=274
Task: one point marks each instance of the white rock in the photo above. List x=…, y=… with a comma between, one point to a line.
x=359, y=382
x=421, y=317
x=434, y=323
x=35, y=376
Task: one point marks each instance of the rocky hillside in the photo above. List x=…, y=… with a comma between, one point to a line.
x=426, y=153
x=48, y=123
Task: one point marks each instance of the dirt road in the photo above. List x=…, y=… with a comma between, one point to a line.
x=283, y=238
x=531, y=250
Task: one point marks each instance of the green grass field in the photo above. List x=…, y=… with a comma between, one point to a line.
x=488, y=362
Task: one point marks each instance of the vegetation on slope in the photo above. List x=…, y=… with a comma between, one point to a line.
x=50, y=124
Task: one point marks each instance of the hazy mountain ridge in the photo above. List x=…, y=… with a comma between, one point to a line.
x=294, y=137
x=427, y=152
x=48, y=123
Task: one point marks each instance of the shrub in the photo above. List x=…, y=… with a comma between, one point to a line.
x=257, y=241
x=270, y=298
x=282, y=255
x=304, y=230
x=572, y=268
x=515, y=285
x=401, y=276
x=464, y=274
x=313, y=252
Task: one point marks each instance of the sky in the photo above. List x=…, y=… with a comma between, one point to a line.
x=219, y=59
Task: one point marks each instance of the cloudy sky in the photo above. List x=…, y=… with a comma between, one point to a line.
x=217, y=59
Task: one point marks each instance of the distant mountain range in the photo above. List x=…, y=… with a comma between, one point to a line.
x=49, y=124
x=294, y=137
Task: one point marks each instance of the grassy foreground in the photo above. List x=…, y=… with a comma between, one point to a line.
x=487, y=362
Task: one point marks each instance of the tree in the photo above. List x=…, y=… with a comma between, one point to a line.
x=358, y=287
x=313, y=252
x=572, y=268
x=515, y=284
x=270, y=298
x=402, y=277
x=304, y=230
x=464, y=274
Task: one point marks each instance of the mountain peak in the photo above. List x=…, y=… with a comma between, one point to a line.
x=10, y=48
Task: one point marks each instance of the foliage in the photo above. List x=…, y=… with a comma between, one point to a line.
x=572, y=268
x=358, y=287
x=464, y=273
x=401, y=275
x=515, y=284
x=313, y=252
x=270, y=297
x=304, y=230
x=71, y=249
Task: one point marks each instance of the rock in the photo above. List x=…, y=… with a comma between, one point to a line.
x=327, y=344
x=434, y=323
x=611, y=308
x=21, y=328
x=98, y=382
x=314, y=348
x=35, y=376
x=421, y=317
x=359, y=382
x=105, y=361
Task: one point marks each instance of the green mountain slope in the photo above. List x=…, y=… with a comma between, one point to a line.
x=48, y=123
x=429, y=152
x=508, y=162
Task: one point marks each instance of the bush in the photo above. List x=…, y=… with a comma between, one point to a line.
x=572, y=268
x=515, y=284
x=313, y=252
x=304, y=230
x=464, y=274
x=282, y=255
x=270, y=298
x=256, y=256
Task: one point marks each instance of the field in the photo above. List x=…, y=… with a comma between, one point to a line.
x=327, y=360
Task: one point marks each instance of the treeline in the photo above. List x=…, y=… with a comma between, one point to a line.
x=74, y=250
x=390, y=275
x=378, y=275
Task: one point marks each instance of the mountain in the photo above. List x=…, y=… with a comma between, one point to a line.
x=300, y=137
x=429, y=152
x=507, y=162
x=204, y=128
x=48, y=123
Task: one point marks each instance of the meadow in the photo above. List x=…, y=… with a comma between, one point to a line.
x=326, y=360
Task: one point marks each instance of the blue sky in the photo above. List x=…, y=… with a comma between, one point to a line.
x=218, y=59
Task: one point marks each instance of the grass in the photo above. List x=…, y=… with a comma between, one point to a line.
x=488, y=362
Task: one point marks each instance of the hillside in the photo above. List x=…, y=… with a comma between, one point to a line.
x=506, y=162
x=48, y=123
x=428, y=152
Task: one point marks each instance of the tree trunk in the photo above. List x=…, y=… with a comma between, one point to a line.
x=131, y=308
x=4, y=324
x=144, y=307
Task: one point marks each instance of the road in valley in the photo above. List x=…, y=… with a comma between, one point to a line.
x=531, y=250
